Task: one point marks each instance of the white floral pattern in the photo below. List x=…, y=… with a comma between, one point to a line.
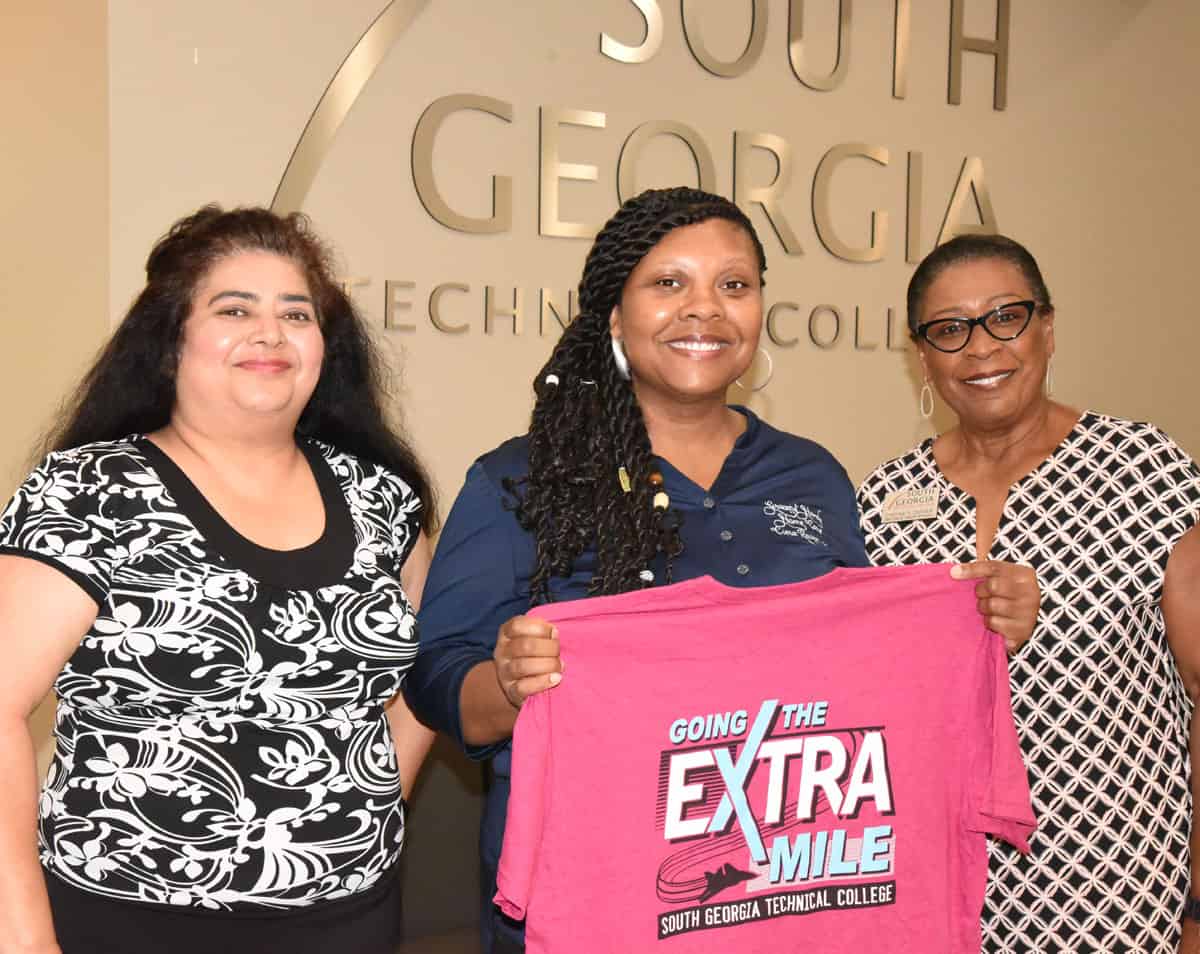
x=220, y=741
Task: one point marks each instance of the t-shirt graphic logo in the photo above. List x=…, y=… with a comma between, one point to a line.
x=792, y=814
x=796, y=520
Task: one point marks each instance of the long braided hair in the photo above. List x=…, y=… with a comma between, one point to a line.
x=587, y=423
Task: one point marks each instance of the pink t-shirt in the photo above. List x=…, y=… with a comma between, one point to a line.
x=804, y=767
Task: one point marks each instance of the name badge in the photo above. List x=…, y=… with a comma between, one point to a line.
x=911, y=503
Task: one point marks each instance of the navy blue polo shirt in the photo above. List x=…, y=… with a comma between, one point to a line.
x=781, y=510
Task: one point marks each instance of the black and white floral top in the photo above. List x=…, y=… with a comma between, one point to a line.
x=221, y=741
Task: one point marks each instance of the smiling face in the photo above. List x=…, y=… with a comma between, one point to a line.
x=690, y=313
x=989, y=384
x=251, y=346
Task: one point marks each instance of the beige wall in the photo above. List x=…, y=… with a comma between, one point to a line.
x=54, y=240
x=54, y=200
x=1088, y=165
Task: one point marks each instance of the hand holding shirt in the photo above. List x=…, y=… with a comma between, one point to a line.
x=823, y=782
x=782, y=509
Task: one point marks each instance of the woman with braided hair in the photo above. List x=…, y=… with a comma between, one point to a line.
x=634, y=473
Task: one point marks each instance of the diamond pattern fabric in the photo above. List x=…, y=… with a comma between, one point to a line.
x=1100, y=709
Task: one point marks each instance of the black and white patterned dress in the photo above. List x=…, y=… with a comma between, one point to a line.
x=1099, y=706
x=221, y=743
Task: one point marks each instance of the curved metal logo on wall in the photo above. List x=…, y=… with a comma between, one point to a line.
x=822, y=326
x=347, y=83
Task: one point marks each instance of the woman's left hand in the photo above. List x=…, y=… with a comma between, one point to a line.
x=1009, y=598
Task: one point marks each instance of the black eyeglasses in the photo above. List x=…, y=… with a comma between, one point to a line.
x=1003, y=323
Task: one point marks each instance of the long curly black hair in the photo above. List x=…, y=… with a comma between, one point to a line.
x=130, y=389
x=587, y=422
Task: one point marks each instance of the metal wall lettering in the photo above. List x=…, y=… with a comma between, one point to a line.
x=550, y=311
x=913, y=196
x=435, y=308
x=491, y=310
x=891, y=318
x=556, y=311
x=766, y=196
x=391, y=305
x=969, y=209
x=773, y=330
x=859, y=344
x=653, y=19
x=822, y=204
x=832, y=79
x=970, y=186
x=825, y=328
x=748, y=57
x=824, y=342
x=422, y=165
x=900, y=47
x=551, y=169
x=631, y=149
x=351, y=76
x=351, y=282
x=997, y=47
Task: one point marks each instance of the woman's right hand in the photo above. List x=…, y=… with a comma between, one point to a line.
x=527, y=658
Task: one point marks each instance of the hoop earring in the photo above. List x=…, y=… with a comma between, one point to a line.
x=619, y=358
x=1049, y=377
x=926, y=402
x=770, y=373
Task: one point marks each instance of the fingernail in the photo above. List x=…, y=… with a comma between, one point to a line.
x=555, y=678
x=956, y=571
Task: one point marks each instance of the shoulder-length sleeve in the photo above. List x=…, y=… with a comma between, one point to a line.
x=472, y=588
x=63, y=516
x=406, y=521
x=1163, y=483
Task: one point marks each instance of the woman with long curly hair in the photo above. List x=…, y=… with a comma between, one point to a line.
x=634, y=473
x=216, y=566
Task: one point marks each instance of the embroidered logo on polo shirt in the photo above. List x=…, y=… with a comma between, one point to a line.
x=796, y=520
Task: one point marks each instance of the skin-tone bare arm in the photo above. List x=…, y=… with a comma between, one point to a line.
x=411, y=739
x=1181, y=610
x=43, y=616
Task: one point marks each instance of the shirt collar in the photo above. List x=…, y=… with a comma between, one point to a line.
x=730, y=475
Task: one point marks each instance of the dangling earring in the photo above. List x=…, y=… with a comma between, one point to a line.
x=619, y=358
x=926, y=403
x=1049, y=377
x=770, y=372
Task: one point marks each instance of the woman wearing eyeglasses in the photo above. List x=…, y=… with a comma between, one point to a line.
x=1106, y=511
